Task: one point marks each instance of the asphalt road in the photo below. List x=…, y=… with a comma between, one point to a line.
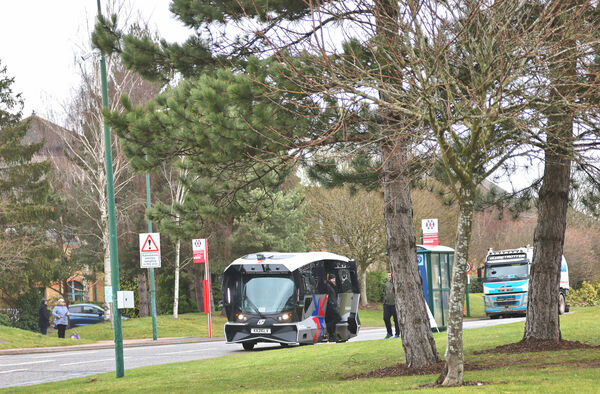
x=30, y=369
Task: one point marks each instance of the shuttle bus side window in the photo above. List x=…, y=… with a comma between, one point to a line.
x=354, y=277
x=344, y=284
x=320, y=276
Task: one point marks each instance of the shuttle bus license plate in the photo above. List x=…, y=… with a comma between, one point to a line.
x=260, y=331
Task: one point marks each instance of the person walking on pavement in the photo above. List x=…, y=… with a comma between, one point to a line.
x=61, y=313
x=332, y=314
x=44, y=317
x=389, y=308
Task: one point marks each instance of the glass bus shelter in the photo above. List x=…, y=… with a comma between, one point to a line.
x=435, y=267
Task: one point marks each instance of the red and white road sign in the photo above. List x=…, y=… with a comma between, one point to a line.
x=149, y=250
x=469, y=267
x=199, y=250
x=430, y=232
x=150, y=244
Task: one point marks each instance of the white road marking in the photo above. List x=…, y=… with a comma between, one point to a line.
x=188, y=351
x=90, y=361
x=28, y=362
x=13, y=370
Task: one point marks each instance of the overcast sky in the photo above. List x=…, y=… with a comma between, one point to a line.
x=40, y=39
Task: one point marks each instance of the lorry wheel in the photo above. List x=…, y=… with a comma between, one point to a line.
x=248, y=345
x=562, y=305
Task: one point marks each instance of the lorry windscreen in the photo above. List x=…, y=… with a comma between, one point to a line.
x=267, y=294
x=506, y=271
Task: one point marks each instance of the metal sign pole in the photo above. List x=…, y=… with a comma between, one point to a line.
x=151, y=270
x=112, y=223
x=209, y=292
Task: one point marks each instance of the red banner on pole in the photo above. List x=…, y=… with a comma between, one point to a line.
x=206, y=286
x=200, y=255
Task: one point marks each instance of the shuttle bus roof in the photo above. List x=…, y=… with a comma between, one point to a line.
x=291, y=261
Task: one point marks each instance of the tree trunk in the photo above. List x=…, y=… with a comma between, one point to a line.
x=542, y=308
x=413, y=321
x=143, y=294
x=363, y=287
x=176, y=285
x=453, y=371
x=86, y=284
x=108, y=305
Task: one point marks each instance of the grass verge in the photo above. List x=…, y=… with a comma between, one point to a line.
x=326, y=368
x=189, y=325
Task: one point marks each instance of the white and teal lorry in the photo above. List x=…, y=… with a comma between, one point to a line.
x=506, y=282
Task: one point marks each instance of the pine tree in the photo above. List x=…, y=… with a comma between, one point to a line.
x=242, y=130
x=27, y=206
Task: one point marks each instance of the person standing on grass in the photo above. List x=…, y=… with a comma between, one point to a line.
x=44, y=317
x=389, y=308
x=61, y=313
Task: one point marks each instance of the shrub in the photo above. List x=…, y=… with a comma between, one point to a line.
x=376, y=285
x=4, y=320
x=130, y=285
x=587, y=295
x=166, y=284
x=476, y=285
x=26, y=316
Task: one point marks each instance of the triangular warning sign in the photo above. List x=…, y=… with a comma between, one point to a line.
x=149, y=245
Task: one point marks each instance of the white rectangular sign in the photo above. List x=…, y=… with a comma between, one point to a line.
x=149, y=250
x=125, y=299
x=108, y=294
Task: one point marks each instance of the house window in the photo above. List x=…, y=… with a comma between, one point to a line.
x=75, y=291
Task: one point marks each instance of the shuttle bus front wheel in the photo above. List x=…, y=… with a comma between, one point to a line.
x=248, y=345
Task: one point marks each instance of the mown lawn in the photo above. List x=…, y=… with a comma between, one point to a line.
x=327, y=367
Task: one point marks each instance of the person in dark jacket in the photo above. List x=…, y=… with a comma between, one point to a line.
x=332, y=314
x=44, y=317
x=389, y=308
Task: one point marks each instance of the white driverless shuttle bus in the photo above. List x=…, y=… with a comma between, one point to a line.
x=282, y=298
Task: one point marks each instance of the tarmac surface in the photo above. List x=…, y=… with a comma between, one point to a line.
x=108, y=345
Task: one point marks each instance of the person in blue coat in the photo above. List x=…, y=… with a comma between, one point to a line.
x=61, y=320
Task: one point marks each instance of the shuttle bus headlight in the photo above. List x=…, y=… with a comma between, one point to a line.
x=241, y=317
x=285, y=316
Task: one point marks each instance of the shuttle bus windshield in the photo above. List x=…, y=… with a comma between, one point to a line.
x=267, y=294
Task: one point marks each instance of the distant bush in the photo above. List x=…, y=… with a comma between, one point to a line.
x=587, y=295
x=4, y=320
x=376, y=285
x=476, y=285
x=26, y=316
x=166, y=284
